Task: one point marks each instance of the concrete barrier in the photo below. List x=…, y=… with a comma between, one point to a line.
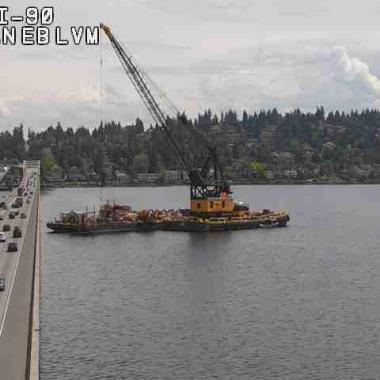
x=34, y=360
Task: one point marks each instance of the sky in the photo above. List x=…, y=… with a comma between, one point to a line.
x=217, y=54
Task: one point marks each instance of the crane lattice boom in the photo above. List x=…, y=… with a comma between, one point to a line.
x=200, y=186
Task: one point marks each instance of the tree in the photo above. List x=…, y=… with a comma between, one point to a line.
x=139, y=126
x=47, y=163
x=258, y=168
x=140, y=163
x=98, y=161
x=320, y=114
x=245, y=118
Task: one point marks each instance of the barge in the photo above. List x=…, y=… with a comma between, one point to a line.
x=116, y=218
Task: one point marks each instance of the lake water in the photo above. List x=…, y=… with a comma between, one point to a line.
x=301, y=302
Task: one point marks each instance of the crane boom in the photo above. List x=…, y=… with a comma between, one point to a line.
x=145, y=94
x=201, y=189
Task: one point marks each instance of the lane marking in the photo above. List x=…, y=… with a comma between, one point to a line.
x=15, y=271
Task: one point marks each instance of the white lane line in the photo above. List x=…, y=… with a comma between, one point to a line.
x=5, y=255
x=15, y=271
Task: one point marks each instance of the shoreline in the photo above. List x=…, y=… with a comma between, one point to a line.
x=292, y=183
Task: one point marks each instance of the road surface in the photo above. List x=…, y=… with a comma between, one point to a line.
x=18, y=268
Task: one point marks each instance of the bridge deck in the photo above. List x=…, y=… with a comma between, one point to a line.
x=18, y=270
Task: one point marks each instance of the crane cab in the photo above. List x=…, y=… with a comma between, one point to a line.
x=212, y=206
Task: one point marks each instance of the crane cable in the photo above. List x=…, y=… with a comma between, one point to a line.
x=100, y=80
x=100, y=98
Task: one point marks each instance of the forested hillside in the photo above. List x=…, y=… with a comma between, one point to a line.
x=264, y=146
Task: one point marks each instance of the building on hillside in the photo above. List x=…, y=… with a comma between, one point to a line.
x=74, y=174
x=290, y=173
x=283, y=160
x=329, y=146
x=148, y=177
x=362, y=171
x=122, y=178
x=175, y=176
x=269, y=175
x=55, y=177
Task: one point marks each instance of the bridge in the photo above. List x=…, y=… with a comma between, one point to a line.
x=19, y=301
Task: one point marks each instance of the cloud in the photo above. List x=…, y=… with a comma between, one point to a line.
x=286, y=76
x=215, y=10
x=204, y=53
x=277, y=74
x=6, y=104
x=354, y=71
x=71, y=109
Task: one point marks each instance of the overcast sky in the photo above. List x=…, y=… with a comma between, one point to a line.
x=218, y=54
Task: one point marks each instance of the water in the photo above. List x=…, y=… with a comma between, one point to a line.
x=301, y=302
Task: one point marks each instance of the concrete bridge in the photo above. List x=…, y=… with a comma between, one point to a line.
x=19, y=301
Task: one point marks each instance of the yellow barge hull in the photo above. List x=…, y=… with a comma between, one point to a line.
x=191, y=224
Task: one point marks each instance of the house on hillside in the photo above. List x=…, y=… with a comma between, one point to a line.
x=122, y=178
x=149, y=178
x=55, y=177
x=74, y=174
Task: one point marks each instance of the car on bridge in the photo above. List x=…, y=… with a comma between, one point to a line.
x=16, y=211
x=2, y=284
x=19, y=201
x=17, y=232
x=3, y=237
x=12, y=247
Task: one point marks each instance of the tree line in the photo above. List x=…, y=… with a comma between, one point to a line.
x=335, y=139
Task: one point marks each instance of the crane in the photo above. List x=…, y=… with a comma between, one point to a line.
x=209, y=198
